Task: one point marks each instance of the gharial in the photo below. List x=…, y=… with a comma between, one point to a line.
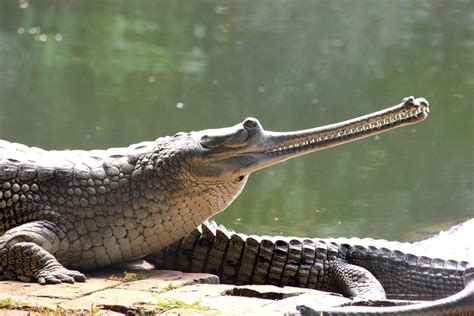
x=63, y=210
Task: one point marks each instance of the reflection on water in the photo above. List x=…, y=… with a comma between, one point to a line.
x=102, y=74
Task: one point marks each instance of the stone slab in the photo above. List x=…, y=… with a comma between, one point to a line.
x=15, y=312
x=71, y=291
x=18, y=288
x=238, y=306
x=33, y=301
x=288, y=305
x=161, y=280
x=115, y=297
x=252, y=299
x=192, y=293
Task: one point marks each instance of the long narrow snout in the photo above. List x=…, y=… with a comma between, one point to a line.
x=275, y=147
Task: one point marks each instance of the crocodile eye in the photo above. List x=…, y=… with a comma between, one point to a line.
x=179, y=134
x=250, y=123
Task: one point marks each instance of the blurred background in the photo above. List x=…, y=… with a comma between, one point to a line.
x=97, y=74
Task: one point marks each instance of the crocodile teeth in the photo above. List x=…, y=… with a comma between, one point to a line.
x=355, y=130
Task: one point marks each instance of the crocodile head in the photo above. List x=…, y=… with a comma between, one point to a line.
x=232, y=153
x=191, y=176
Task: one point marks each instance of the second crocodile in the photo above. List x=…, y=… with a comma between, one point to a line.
x=364, y=269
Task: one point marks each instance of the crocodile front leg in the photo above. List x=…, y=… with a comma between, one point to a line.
x=26, y=254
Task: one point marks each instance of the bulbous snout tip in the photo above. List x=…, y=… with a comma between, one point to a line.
x=418, y=102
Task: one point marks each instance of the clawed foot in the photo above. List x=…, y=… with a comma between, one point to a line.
x=27, y=261
x=58, y=274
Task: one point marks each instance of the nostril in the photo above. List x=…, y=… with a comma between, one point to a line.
x=409, y=100
x=251, y=123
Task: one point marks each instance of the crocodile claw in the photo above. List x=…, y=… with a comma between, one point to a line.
x=59, y=275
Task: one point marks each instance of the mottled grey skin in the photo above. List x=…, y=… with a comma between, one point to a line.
x=403, y=269
x=92, y=209
x=62, y=210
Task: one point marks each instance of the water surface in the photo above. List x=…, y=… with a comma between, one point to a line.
x=96, y=74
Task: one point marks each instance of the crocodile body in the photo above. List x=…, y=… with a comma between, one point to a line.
x=89, y=209
x=65, y=210
x=92, y=209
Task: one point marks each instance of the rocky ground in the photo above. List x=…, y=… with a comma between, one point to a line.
x=139, y=290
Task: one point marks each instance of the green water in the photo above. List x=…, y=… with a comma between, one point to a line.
x=96, y=74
